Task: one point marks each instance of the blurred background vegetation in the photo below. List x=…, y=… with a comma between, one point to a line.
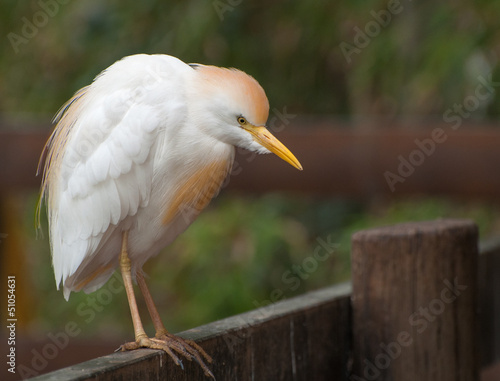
x=427, y=57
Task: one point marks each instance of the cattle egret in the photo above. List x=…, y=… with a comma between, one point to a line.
x=134, y=158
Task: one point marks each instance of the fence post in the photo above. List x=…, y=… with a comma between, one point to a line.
x=414, y=302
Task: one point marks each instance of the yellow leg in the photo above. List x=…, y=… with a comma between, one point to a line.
x=179, y=344
x=163, y=339
x=153, y=312
x=125, y=268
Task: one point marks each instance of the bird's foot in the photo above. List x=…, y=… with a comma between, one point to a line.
x=173, y=345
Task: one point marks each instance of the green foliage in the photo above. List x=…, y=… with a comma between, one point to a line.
x=241, y=253
x=244, y=252
x=426, y=57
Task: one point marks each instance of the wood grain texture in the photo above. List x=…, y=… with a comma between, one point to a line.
x=303, y=338
x=414, y=302
x=489, y=303
x=399, y=272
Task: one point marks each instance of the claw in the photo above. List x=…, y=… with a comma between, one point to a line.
x=170, y=343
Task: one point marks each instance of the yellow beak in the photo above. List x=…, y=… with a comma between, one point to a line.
x=262, y=136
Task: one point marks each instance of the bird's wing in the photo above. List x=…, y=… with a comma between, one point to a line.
x=99, y=165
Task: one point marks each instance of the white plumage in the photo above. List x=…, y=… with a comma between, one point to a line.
x=142, y=150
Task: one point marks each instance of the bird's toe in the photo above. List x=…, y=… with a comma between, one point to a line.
x=173, y=346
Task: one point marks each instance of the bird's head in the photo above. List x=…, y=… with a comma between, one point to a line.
x=236, y=110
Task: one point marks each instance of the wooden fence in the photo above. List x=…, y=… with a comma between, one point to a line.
x=410, y=312
x=417, y=309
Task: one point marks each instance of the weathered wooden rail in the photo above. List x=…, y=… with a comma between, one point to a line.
x=410, y=314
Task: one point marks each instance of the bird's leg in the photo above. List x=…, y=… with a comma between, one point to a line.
x=125, y=269
x=153, y=312
x=163, y=340
x=183, y=346
x=141, y=339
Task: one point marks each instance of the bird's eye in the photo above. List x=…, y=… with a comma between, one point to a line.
x=241, y=120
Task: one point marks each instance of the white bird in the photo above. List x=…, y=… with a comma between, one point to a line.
x=133, y=159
